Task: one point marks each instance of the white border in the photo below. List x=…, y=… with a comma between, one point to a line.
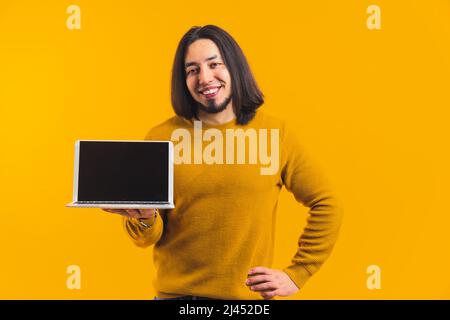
x=170, y=205
x=75, y=177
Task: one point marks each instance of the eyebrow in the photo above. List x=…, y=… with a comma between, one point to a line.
x=188, y=64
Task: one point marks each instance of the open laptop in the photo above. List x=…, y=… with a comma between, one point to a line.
x=123, y=174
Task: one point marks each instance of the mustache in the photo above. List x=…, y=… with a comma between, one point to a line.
x=202, y=88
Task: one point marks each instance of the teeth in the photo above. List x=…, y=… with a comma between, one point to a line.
x=211, y=91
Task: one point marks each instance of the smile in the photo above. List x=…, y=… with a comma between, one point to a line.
x=211, y=92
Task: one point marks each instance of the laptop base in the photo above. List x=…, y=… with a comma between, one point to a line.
x=122, y=206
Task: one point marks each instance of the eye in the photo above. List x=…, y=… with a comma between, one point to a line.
x=191, y=71
x=214, y=64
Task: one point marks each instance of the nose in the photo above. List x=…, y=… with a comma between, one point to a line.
x=205, y=76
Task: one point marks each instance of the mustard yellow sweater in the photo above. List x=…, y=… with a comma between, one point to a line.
x=224, y=218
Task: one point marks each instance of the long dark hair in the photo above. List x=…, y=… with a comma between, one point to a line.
x=246, y=95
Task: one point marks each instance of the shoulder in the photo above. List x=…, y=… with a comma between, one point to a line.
x=266, y=120
x=164, y=129
x=290, y=137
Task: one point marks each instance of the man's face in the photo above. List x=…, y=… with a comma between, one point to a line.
x=207, y=77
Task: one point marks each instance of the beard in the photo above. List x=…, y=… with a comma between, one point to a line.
x=214, y=107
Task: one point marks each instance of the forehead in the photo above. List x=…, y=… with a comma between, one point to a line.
x=200, y=50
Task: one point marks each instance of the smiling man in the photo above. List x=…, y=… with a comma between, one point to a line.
x=214, y=93
x=218, y=241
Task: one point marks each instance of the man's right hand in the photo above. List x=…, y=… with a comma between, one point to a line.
x=134, y=213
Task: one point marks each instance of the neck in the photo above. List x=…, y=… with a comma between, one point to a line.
x=217, y=118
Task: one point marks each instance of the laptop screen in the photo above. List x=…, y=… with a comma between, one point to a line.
x=123, y=171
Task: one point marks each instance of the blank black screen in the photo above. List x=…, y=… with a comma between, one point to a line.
x=123, y=171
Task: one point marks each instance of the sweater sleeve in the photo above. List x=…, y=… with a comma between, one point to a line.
x=141, y=236
x=302, y=177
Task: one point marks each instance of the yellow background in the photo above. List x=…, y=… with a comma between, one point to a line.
x=372, y=105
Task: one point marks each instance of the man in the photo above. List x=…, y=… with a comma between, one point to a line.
x=218, y=241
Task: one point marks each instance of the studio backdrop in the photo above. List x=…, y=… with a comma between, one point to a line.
x=364, y=83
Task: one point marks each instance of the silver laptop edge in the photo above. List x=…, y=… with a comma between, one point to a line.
x=75, y=179
x=168, y=205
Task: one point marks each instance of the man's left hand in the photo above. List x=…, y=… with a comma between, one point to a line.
x=270, y=282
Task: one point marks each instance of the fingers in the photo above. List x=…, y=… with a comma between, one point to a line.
x=118, y=211
x=258, y=279
x=267, y=290
x=278, y=283
x=147, y=213
x=269, y=294
x=264, y=281
x=265, y=286
x=260, y=270
x=133, y=213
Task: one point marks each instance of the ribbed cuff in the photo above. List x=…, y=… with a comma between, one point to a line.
x=298, y=274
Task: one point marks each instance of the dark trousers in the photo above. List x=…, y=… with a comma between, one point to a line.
x=185, y=298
